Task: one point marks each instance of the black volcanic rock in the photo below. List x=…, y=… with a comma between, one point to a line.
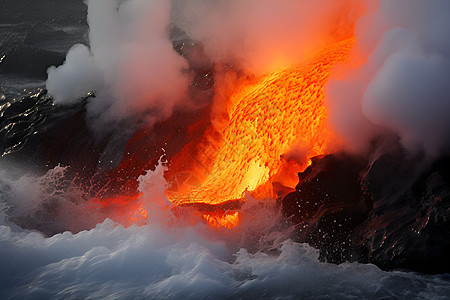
x=328, y=205
x=410, y=223
x=393, y=212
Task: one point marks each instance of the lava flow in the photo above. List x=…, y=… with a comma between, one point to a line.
x=266, y=120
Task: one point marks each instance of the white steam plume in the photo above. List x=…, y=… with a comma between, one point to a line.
x=405, y=84
x=134, y=70
x=261, y=35
x=130, y=63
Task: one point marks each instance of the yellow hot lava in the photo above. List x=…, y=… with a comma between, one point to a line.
x=266, y=120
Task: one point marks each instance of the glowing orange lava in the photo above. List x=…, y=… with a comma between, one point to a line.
x=127, y=210
x=266, y=120
x=226, y=220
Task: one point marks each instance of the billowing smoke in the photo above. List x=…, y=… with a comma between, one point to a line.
x=260, y=36
x=401, y=81
x=247, y=39
x=130, y=63
x=132, y=67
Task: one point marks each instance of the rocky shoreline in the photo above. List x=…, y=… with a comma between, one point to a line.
x=392, y=212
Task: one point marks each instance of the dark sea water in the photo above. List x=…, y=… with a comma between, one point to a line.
x=33, y=36
x=103, y=260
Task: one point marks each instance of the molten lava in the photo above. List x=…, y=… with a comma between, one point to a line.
x=266, y=120
x=226, y=220
x=283, y=110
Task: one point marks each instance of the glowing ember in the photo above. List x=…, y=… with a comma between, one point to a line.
x=140, y=216
x=226, y=220
x=265, y=121
x=127, y=210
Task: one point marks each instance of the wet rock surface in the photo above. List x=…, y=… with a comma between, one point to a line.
x=393, y=212
x=328, y=206
x=409, y=226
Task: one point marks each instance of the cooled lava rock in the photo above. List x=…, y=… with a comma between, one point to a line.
x=409, y=226
x=328, y=205
x=393, y=212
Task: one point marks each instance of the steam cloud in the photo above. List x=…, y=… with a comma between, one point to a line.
x=130, y=63
x=404, y=86
x=260, y=36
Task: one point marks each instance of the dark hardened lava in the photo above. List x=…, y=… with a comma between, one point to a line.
x=409, y=226
x=328, y=205
x=393, y=212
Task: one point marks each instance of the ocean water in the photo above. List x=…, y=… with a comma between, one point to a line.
x=166, y=259
x=175, y=261
x=34, y=35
